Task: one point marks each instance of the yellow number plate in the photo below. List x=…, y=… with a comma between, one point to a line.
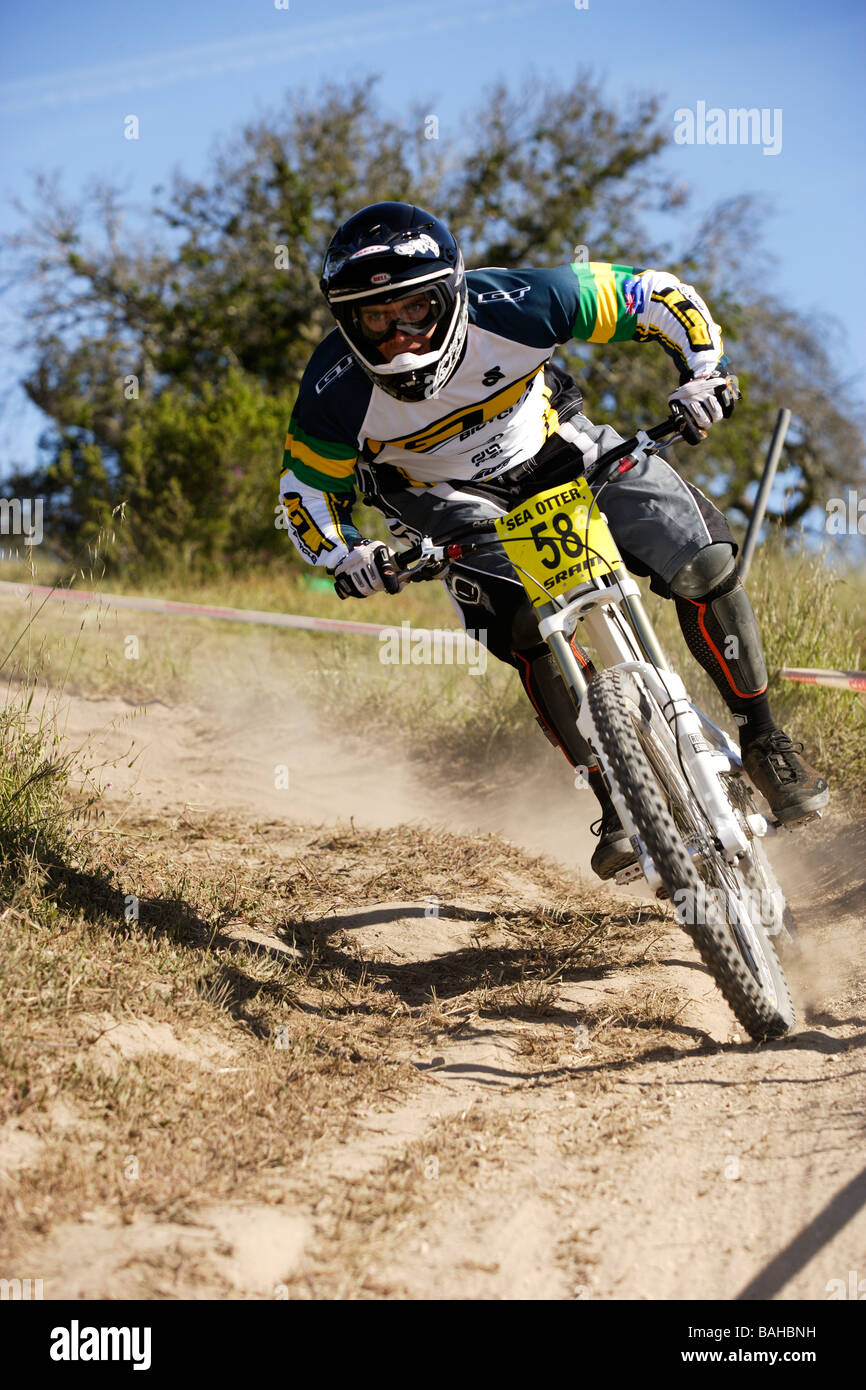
x=549, y=540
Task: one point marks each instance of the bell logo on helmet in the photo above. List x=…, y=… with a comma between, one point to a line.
x=420, y=243
x=366, y=251
x=381, y=279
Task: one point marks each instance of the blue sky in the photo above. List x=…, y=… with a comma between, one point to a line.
x=193, y=70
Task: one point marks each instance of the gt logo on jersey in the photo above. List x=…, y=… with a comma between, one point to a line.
x=492, y=375
x=337, y=370
x=493, y=296
x=303, y=525
x=688, y=315
x=460, y=422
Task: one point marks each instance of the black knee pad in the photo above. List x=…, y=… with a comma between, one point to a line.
x=707, y=571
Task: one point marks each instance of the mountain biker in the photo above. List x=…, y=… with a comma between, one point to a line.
x=436, y=395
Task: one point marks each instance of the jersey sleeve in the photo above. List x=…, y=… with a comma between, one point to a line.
x=317, y=485
x=597, y=302
x=316, y=496
x=616, y=302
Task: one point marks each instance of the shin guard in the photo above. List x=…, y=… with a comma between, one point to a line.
x=721, y=632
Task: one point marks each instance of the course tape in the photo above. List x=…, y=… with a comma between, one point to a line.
x=838, y=680
x=201, y=610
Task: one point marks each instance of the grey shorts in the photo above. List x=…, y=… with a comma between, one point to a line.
x=658, y=520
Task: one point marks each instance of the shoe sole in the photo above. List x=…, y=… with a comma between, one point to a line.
x=613, y=863
x=805, y=811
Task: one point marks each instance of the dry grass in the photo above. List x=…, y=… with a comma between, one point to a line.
x=410, y=1195
x=809, y=616
x=234, y=1027
x=190, y=1015
x=809, y=613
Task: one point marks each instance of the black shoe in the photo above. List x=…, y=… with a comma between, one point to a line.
x=794, y=790
x=614, y=849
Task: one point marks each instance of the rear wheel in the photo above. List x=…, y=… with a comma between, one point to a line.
x=713, y=898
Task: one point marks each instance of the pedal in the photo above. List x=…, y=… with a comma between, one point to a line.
x=629, y=874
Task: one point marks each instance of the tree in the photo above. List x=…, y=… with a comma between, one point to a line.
x=168, y=349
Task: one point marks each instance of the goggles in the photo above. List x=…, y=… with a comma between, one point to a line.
x=413, y=315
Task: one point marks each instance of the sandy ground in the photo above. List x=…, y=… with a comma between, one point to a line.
x=703, y=1167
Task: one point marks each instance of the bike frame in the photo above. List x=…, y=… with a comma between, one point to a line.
x=705, y=811
x=705, y=752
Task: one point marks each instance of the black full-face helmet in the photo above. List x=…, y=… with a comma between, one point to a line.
x=387, y=252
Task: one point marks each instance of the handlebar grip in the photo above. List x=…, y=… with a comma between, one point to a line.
x=668, y=426
x=388, y=571
x=404, y=558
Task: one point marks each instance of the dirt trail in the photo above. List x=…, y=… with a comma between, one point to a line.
x=229, y=749
x=537, y=1157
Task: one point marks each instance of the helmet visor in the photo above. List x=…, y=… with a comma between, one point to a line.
x=413, y=314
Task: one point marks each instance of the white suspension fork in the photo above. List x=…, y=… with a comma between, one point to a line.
x=612, y=639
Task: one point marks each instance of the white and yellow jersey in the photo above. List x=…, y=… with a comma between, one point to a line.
x=495, y=412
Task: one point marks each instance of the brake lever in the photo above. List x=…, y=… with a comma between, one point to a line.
x=431, y=570
x=647, y=443
x=427, y=560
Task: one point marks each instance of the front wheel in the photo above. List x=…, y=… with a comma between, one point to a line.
x=711, y=896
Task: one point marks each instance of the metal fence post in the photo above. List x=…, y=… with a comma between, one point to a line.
x=783, y=420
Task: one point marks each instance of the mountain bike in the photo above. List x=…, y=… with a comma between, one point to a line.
x=675, y=778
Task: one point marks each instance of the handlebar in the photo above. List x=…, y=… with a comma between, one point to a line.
x=405, y=559
x=672, y=425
